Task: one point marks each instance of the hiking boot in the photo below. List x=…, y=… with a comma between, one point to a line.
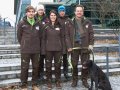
x=1, y=88
x=49, y=85
x=85, y=83
x=74, y=83
x=24, y=87
x=35, y=87
x=58, y=85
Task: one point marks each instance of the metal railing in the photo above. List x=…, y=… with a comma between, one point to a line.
x=106, y=49
x=7, y=35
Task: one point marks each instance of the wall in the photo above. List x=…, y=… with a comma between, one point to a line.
x=35, y=2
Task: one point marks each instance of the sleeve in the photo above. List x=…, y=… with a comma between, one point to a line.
x=43, y=41
x=19, y=32
x=91, y=34
x=63, y=41
x=67, y=35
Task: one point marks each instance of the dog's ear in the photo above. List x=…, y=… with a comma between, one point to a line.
x=90, y=63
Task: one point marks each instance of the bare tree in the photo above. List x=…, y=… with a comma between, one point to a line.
x=105, y=11
x=109, y=14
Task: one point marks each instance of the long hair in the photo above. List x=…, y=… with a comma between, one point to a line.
x=53, y=11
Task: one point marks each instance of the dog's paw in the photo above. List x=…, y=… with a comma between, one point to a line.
x=89, y=88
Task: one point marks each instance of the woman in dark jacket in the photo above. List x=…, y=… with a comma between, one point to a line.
x=52, y=47
x=41, y=16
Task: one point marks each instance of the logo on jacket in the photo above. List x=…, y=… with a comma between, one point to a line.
x=43, y=23
x=87, y=26
x=57, y=29
x=65, y=22
x=24, y=26
x=37, y=27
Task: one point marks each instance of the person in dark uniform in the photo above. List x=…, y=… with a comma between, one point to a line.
x=63, y=19
x=52, y=44
x=82, y=39
x=40, y=15
x=28, y=34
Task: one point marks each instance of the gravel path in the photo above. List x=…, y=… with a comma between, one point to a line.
x=114, y=80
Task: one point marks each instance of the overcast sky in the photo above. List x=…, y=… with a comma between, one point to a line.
x=7, y=10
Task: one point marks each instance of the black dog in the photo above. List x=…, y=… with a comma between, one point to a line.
x=97, y=75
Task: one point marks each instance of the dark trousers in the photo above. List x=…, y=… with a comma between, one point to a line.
x=50, y=56
x=84, y=55
x=25, y=60
x=65, y=64
x=41, y=64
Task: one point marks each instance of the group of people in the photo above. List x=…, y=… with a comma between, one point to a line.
x=44, y=39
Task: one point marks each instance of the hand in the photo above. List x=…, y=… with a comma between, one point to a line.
x=90, y=47
x=69, y=49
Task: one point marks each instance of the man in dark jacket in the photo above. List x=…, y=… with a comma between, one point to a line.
x=82, y=39
x=28, y=34
x=40, y=15
x=63, y=19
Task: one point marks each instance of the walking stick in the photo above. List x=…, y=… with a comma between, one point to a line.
x=91, y=51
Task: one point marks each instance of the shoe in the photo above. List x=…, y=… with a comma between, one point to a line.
x=49, y=85
x=74, y=83
x=35, y=87
x=24, y=87
x=85, y=83
x=41, y=77
x=58, y=85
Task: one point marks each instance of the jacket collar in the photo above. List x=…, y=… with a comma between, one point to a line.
x=25, y=19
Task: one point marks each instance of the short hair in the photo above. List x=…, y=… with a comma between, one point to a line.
x=79, y=6
x=28, y=8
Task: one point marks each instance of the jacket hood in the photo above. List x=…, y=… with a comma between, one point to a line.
x=83, y=19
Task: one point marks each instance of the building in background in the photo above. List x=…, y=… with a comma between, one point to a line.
x=104, y=12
